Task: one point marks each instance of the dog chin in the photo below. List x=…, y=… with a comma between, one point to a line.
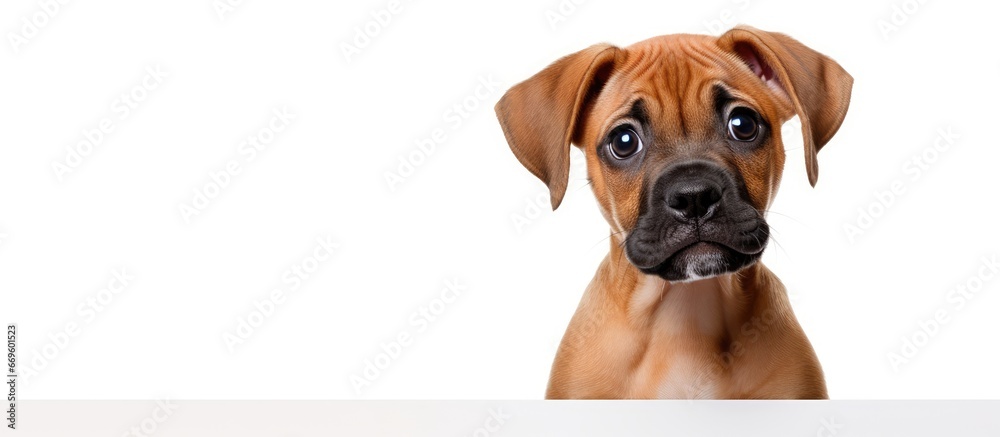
x=702, y=260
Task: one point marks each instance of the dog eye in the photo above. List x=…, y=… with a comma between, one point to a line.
x=743, y=124
x=624, y=142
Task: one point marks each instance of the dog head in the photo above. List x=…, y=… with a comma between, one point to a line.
x=682, y=136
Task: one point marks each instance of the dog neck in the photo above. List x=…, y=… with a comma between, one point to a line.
x=715, y=307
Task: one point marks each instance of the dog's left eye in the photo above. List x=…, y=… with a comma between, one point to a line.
x=743, y=124
x=624, y=142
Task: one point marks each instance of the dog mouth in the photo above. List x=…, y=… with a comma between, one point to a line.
x=703, y=260
x=696, y=258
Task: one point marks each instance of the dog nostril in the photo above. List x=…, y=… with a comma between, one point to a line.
x=678, y=202
x=711, y=197
x=694, y=201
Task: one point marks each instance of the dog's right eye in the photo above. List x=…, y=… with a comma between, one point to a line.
x=624, y=142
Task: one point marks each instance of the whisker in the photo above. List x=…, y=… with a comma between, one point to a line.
x=589, y=182
x=797, y=221
x=606, y=238
x=621, y=276
x=771, y=237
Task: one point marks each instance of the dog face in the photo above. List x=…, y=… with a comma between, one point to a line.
x=682, y=138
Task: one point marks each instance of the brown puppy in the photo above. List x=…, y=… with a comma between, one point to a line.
x=682, y=139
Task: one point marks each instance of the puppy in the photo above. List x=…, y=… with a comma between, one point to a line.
x=682, y=137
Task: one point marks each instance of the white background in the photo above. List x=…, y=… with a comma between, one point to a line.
x=452, y=218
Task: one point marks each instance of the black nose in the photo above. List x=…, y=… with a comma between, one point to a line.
x=693, y=199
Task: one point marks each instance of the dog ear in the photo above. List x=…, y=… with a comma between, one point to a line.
x=818, y=88
x=539, y=116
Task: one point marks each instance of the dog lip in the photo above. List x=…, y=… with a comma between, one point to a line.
x=700, y=249
x=701, y=245
x=690, y=244
x=755, y=251
x=648, y=250
x=719, y=243
x=693, y=249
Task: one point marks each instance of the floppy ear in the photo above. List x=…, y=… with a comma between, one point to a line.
x=817, y=87
x=539, y=115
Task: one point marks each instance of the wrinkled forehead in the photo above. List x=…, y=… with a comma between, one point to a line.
x=665, y=73
x=673, y=67
x=677, y=57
